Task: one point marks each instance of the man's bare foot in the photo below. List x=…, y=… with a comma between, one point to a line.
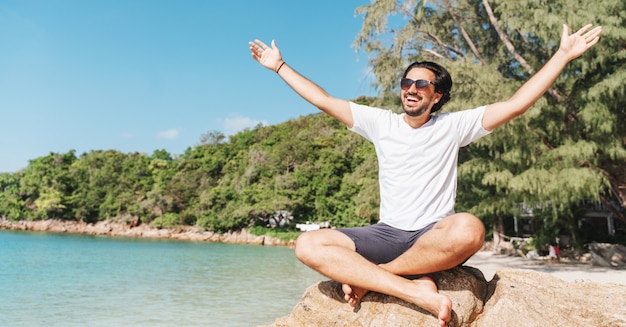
x=353, y=294
x=423, y=293
x=427, y=297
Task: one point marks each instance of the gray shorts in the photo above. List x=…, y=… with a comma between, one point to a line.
x=381, y=243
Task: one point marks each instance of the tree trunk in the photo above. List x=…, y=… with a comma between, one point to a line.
x=498, y=232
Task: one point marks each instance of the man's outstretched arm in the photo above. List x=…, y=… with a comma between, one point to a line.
x=271, y=58
x=571, y=47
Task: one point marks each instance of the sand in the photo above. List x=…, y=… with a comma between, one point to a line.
x=489, y=263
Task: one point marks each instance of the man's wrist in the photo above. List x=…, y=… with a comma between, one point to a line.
x=279, y=67
x=561, y=54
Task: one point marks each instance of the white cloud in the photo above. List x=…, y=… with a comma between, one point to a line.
x=234, y=124
x=169, y=134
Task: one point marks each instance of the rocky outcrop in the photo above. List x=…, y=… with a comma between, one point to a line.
x=608, y=255
x=511, y=298
x=132, y=229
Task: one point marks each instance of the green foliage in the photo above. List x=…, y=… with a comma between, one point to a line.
x=167, y=220
x=49, y=203
x=11, y=204
x=312, y=167
x=279, y=233
x=568, y=147
x=299, y=166
x=44, y=185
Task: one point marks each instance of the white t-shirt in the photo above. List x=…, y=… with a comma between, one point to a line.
x=417, y=166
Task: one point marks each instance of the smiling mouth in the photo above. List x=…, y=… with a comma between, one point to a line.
x=412, y=98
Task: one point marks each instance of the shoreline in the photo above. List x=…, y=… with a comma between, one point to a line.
x=116, y=228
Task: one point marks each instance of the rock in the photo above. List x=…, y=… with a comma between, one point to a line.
x=467, y=288
x=241, y=237
x=530, y=298
x=273, y=241
x=512, y=298
x=134, y=228
x=323, y=305
x=608, y=255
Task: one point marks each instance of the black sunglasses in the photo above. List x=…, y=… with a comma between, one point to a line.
x=406, y=83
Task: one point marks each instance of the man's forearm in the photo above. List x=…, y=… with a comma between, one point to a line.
x=304, y=87
x=571, y=47
x=317, y=96
x=538, y=84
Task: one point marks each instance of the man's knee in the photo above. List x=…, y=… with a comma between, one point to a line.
x=474, y=235
x=304, y=247
x=467, y=231
x=311, y=246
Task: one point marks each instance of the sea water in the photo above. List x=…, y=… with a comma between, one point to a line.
x=51, y=279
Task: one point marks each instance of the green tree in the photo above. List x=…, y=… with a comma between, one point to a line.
x=11, y=204
x=110, y=184
x=47, y=177
x=568, y=147
x=49, y=203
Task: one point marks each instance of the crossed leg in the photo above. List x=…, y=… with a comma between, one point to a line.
x=451, y=241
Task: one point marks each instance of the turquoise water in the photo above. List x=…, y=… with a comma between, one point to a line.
x=49, y=279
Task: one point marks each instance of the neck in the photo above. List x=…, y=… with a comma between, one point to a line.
x=416, y=121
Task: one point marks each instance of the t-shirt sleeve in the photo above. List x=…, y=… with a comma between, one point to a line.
x=470, y=126
x=365, y=120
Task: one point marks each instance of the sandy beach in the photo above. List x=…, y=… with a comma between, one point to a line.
x=489, y=263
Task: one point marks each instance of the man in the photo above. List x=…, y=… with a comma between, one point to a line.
x=418, y=232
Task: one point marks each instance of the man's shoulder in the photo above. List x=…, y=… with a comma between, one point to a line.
x=370, y=110
x=355, y=105
x=460, y=113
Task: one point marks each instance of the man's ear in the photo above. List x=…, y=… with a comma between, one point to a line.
x=438, y=97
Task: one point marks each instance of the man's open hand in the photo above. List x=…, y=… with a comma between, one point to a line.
x=576, y=44
x=269, y=57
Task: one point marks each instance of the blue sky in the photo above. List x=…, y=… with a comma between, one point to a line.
x=143, y=75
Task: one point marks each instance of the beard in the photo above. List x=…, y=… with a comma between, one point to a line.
x=415, y=111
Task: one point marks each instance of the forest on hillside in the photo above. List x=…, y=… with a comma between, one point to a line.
x=567, y=151
x=312, y=167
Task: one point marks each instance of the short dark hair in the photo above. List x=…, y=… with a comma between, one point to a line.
x=443, y=81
